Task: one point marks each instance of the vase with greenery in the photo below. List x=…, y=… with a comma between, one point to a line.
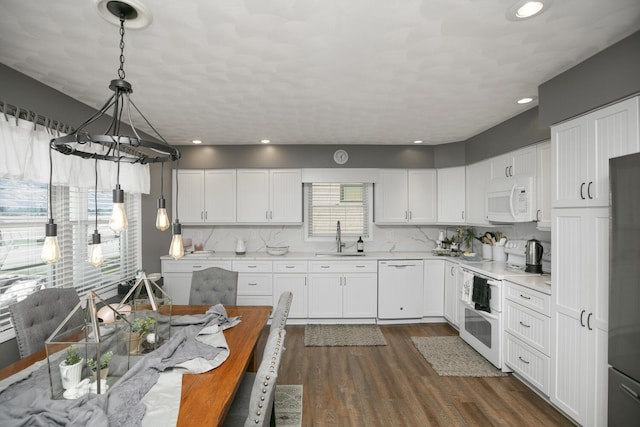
x=71, y=368
x=140, y=328
x=104, y=365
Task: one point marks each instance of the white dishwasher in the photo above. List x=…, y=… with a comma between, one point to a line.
x=400, y=289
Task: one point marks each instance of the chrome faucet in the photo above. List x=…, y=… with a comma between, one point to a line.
x=339, y=243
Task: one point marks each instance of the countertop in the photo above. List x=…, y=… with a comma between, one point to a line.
x=537, y=282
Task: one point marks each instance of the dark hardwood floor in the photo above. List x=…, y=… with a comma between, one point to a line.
x=393, y=385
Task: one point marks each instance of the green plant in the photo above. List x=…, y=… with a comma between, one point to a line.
x=467, y=238
x=72, y=356
x=104, y=361
x=143, y=325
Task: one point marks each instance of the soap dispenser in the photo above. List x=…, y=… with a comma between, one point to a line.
x=360, y=245
x=241, y=249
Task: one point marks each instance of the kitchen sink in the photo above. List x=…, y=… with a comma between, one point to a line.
x=340, y=254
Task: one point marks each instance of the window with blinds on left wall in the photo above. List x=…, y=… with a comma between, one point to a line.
x=23, y=210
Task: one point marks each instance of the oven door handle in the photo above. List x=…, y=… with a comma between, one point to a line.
x=482, y=313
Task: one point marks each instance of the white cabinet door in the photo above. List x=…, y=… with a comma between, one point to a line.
x=325, y=295
x=285, y=195
x=252, y=195
x=359, y=294
x=220, y=195
x=543, y=185
x=178, y=286
x=269, y=195
x=580, y=312
x=582, y=147
x=451, y=195
x=433, y=288
x=297, y=285
x=391, y=197
x=523, y=162
x=451, y=296
x=612, y=132
x=423, y=194
x=517, y=163
x=477, y=178
x=190, y=200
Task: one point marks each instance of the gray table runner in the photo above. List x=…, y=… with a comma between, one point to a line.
x=28, y=401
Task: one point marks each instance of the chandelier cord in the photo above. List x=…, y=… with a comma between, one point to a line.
x=162, y=179
x=95, y=196
x=50, y=182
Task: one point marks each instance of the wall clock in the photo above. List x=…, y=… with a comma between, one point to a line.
x=340, y=157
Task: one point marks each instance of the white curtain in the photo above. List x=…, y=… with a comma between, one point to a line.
x=24, y=155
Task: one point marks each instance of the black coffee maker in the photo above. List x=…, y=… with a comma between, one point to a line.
x=533, y=256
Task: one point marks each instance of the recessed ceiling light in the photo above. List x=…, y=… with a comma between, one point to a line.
x=265, y=141
x=417, y=142
x=197, y=141
x=525, y=9
x=525, y=100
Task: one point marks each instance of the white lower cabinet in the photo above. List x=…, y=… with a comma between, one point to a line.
x=291, y=276
x=255, y=282
x=451, y=295
x=343, y=289
x=527, y=326
x=177, y=274
x=433, y=291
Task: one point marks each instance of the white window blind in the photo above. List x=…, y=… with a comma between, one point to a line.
x=23, y=215
x=328, y=203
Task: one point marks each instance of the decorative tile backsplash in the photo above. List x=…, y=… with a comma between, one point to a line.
x=384, y=238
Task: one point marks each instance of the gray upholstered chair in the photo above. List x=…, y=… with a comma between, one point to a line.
x=214, y=285
x=281, y=314
x=37, y=316
x=253, y=403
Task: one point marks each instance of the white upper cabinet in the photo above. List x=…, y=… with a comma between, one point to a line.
x=517, y=163
x=205, y=196
x=451, y=195
x=406, y=196
x=543, y=185
x=478, y=176
x=269, y=196
x=581, y=149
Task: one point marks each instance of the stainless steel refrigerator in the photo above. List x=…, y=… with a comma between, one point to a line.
x=624, y=292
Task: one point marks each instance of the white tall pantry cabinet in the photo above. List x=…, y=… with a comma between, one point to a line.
x=581, y=149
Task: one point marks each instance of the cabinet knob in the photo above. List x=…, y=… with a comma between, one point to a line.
x=589, y=190
x=589, y=321
x=582, y=314
x=581, y=191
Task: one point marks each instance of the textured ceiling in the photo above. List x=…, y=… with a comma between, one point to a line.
x=313, y=71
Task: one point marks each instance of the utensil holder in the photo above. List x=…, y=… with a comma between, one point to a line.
x=487, y=252
x=499, y=254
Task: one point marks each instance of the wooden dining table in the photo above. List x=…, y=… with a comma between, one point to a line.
x=206, y=397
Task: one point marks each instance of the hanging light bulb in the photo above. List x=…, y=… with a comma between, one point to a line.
x=176, y=250
x=162, y=219
x=95, y=250
x=50, y=249
x=118, y=221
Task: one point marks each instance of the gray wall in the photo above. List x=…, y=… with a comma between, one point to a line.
x=305, y=156
x=607, y=76
x=517, y=132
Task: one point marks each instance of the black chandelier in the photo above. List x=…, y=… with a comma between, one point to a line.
x=113, y=145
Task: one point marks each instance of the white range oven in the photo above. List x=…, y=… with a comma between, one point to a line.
x=481, y=329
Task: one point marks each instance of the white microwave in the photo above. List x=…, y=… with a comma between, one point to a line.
x=511, y=200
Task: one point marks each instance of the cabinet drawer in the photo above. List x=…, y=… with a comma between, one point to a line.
x=343, y=266
x=254, y=300
x=290, y=266
x=184, y=266
x=252, y=266
x=530, y=326
x=529, y=363
x=529, y=298
x=255, y=284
